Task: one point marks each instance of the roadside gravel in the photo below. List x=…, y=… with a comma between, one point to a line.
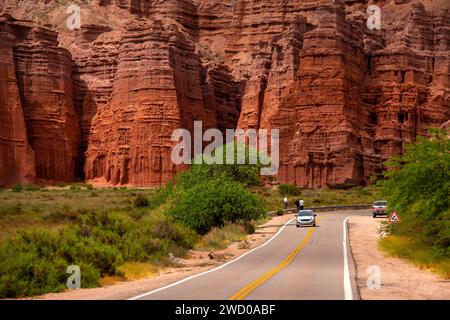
x=400, y=279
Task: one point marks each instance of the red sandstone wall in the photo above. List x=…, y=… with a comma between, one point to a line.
x=345, y=98
x=43, y=73
x=17, y=162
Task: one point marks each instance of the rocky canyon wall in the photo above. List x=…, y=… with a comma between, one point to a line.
x=37, y=95
x=100, y=103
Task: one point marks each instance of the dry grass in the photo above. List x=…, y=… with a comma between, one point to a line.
x=57, y=207
x=137, y=270
x=420, y=255
x=220, y=238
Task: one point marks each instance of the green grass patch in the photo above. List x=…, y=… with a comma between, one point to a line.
x=61, y=205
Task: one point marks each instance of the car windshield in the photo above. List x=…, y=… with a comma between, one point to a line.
x=380, y=203
x=306, y=213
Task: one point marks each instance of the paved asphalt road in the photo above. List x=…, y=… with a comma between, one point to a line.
x=299, y=264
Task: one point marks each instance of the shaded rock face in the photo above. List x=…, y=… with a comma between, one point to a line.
x=37, y=94
x=17, y=161
x=344, y=97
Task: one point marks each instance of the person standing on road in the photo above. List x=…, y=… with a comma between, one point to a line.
x=302, y=204
x=297, y=204
x=286, y=205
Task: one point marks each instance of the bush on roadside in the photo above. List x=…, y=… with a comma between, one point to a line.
x=214, y=202
x=289, y=190
x=141, y=201
x=161, y=195
x=246, y=174
x=35, y=261
x=32, y=187
x=89, y=187
x=418, y=188
x=17, y=188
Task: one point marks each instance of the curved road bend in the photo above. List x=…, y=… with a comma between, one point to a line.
x=298, y=264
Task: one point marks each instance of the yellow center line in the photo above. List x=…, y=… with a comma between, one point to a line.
x=253, y=285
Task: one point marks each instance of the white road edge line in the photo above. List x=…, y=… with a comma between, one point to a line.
x=215, y=269
x=348, y=294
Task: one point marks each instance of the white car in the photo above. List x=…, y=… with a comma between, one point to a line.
x=379, y=208
x=306, y=218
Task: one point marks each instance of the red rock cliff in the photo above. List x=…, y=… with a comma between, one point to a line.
x=344, y=97
x=42, y=73
x=17, y=161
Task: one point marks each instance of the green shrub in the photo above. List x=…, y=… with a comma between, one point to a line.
x=280, y=212
x=11, y=210
x=89, y=187
x=247, y=174
x=138, y=214
x=289, y=190
x=35, y=262
x=418, y=188
x=141, y=201
x=213, y=202
x=249, y=227
x=17, y=188
x=61, y=215
x=160, y=197
x=32, y=187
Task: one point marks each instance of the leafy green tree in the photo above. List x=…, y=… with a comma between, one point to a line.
x=247, y=174
x=417, y=186
x=212, y=202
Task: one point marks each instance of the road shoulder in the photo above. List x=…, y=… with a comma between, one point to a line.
x=400, y=280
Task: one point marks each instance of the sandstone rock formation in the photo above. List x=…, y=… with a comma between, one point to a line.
x=102, y=105
x=38, y=89
x=17, y=162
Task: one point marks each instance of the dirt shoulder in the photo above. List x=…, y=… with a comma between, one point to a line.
x=198, y=261
x=400, y=280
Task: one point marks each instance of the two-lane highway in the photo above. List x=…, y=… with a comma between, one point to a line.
x=297, y=263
